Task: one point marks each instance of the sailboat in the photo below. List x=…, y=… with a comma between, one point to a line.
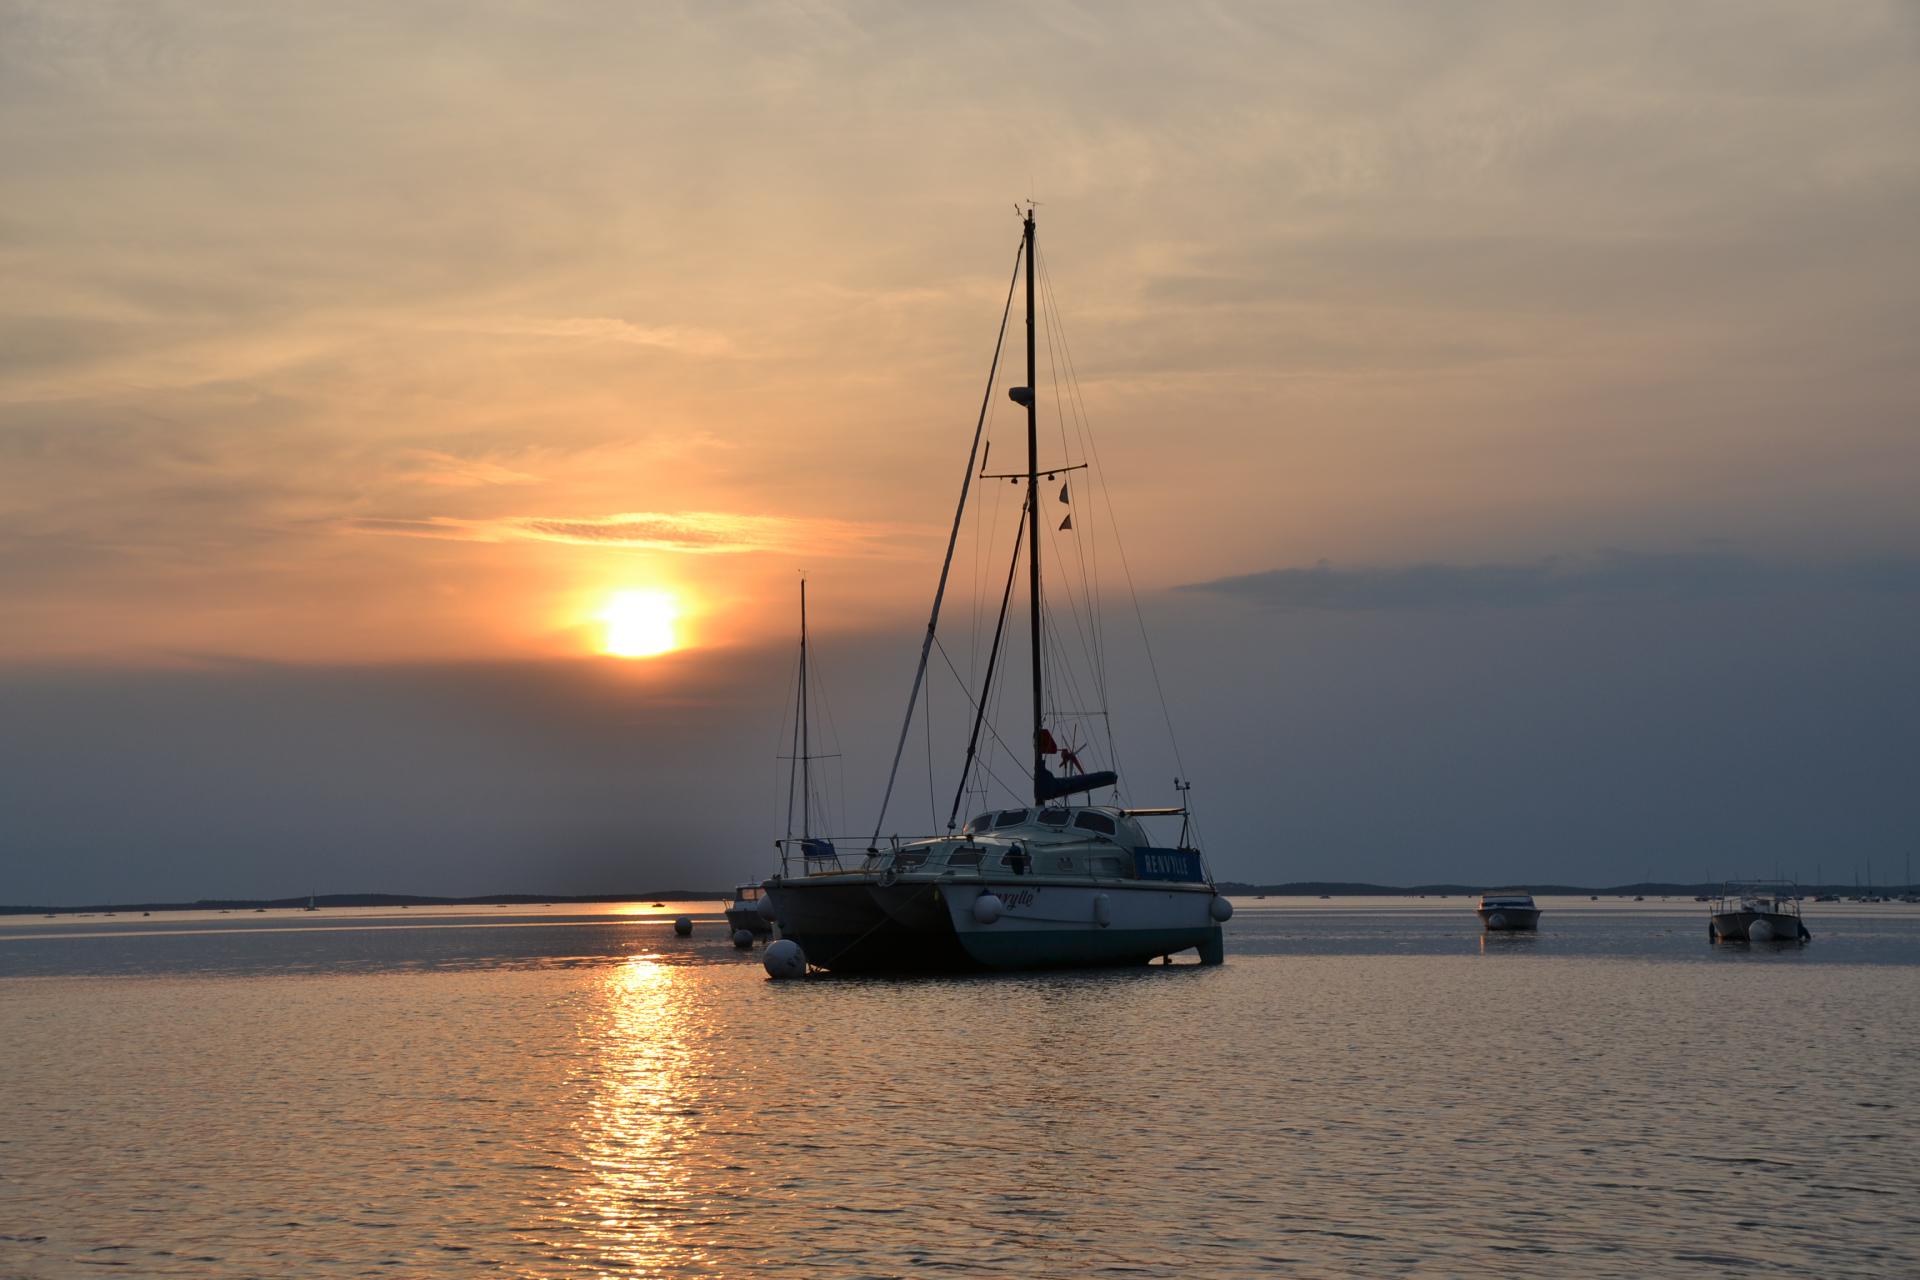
x=1053, y=883
x=750, y=909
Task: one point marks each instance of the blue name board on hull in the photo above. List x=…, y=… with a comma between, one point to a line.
x=1167, y=864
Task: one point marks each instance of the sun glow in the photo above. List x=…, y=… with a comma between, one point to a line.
x=640, y=624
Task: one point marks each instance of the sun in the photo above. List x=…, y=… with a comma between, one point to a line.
x=640, y=624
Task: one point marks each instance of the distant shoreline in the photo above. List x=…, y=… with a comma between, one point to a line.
x=1291, y=889
x=381, y=900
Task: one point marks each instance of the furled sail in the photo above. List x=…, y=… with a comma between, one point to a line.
x=1046, y=786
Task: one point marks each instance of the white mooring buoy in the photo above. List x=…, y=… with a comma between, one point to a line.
x=1760, y=931
x=684, y=927
x=743, y=939
x=784, y=959
x=987, y=908
x=766, y=908
x=1220, y=909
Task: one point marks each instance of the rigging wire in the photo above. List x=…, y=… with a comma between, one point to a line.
x=940, y=591
x=1153, y=666
x=1090, y=582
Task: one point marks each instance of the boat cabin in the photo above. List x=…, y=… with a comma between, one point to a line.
x=1057, y=822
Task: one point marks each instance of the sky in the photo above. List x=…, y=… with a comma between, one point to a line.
x=1508, y=411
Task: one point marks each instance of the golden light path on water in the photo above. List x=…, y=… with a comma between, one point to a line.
x=642, y=1119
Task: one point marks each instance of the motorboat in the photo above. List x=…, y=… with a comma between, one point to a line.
x=1757, y=911
x=1047, y=881
x=743, y=912
x=1508, y=911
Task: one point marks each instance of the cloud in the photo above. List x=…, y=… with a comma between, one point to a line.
x=1610, y=575
x=449, y=471
x=687, y=532
x=684, y=339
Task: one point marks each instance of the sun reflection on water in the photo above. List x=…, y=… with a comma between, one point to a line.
x=639, y=1129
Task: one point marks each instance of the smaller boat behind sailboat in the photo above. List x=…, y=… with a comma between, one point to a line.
x=744, y=911
x=1758, y=911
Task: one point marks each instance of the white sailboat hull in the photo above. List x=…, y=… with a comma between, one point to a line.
x=860, y=924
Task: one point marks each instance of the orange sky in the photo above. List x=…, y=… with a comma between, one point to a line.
x=1529, y=388
x=321, y=320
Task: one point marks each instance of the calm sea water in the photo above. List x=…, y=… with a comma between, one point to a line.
x=1367, y=1086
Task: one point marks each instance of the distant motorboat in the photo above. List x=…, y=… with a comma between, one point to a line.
x=1508, y=911
x=1758, y=911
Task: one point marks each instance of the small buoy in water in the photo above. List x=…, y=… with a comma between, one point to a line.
x=1497, y=921
x=1760, y=931
x=683, y=927
x=784, y=959
x=987, y=908
x=765, y=908
x=743, y=939
x=1220, y=909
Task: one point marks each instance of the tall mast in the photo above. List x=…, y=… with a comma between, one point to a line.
x=806, y=738
x=1033, y=523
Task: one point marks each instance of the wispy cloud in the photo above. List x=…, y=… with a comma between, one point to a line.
x=1603, y=575
x=685, y=339
x=686, y=532
x=450, y=471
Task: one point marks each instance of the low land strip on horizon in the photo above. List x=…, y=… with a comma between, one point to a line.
x=1291, y=889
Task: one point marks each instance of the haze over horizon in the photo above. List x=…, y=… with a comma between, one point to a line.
x=1510, y=412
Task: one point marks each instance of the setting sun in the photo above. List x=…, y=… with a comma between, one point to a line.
x=640, y=624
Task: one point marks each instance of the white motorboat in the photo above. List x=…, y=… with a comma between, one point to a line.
x=1040, y=884
x=1508, y=911
x=1757, y=911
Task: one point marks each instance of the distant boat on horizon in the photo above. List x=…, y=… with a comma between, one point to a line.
x=1508, y=911
x=1758, y=911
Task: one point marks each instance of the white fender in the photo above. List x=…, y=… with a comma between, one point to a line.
x=785, y=959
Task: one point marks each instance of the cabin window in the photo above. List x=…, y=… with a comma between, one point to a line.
x=964, y=858
x=914, y=858
x=1063, y=863
x=982, y=823
x=1011, y=818
x=1053, y=817
x=1106, y=866
x=1087, y=820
